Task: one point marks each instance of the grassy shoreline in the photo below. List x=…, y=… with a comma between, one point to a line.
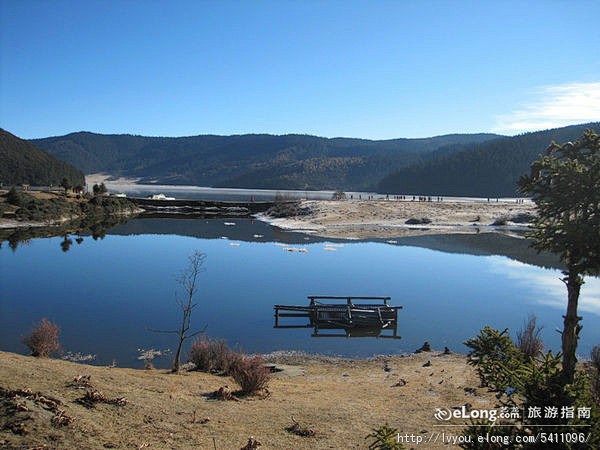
x=342, y=400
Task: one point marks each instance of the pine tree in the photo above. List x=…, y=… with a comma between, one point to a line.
x=565, y=185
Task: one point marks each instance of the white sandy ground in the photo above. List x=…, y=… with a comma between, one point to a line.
x=357, y=219
x=384, y=219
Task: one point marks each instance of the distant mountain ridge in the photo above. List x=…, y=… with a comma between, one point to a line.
x=22, y=162
x=485, y=169
x=251, y=160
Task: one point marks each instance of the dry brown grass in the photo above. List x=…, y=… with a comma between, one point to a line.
x=341, y=402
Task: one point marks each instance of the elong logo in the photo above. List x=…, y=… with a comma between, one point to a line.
x=445, y=414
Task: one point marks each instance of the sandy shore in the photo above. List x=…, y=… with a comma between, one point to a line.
x=387, y=219
x=357, y=219
x=342, y=401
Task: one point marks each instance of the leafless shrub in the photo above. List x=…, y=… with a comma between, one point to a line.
x=233, y=360
x=251, y=374
x=528, y=338
x=43, y=339
x=200, y=354
x=210, y=355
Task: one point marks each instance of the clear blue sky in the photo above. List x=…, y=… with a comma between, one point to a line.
x=372, y=69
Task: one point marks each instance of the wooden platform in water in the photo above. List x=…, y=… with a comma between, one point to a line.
x=353, y=315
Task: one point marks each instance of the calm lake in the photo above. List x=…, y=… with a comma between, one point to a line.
x=104, y=293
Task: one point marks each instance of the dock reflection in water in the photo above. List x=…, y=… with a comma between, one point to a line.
x=378, y=320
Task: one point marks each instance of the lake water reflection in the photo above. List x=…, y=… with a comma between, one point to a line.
x=105, y=293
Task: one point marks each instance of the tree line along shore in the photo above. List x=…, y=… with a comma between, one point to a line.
x=22, y=207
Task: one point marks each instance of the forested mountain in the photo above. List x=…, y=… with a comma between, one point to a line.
x=488, y=169
x=23, y=162
x=483, y=165
x=253, y=160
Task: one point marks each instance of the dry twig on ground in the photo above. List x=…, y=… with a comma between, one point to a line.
x=224, y=393
x=297, y=429
x=92, y=397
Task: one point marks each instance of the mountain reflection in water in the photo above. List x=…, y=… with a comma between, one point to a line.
x=104, y=293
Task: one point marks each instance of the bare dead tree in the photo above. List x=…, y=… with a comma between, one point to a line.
x=188, y=280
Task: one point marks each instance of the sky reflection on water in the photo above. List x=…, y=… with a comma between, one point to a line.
x=105, y=293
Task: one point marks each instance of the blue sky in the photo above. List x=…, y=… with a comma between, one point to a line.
x=371, y=69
